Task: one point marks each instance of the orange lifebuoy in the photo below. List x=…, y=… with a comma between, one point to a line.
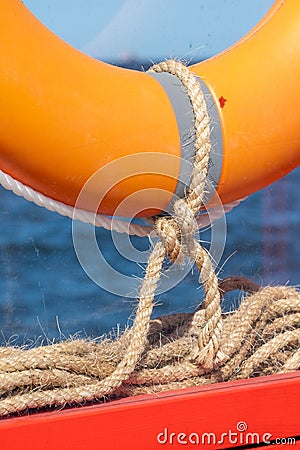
x=65, y=115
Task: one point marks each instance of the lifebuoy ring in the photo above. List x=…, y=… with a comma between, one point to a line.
x=65, y=115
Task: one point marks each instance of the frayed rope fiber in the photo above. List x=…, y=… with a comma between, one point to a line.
x=170, y=352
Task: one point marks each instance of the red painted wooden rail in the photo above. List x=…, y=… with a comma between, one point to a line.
x=267, y=408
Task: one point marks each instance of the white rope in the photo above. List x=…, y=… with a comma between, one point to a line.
x=99, y=220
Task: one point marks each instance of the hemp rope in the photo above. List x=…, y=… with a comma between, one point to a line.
x=169, y=352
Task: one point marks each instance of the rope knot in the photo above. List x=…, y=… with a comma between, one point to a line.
x=180, y=350
x=168, y=231
x=187, y=224
x=177, y=232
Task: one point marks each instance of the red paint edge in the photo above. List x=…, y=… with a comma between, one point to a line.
x=267, y=405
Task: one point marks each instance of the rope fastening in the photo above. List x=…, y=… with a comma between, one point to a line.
x=177, y=232
x=169, y=352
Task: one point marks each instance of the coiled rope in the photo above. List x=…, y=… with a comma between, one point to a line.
x=175, y=351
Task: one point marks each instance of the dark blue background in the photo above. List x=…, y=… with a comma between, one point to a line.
x=42, y=284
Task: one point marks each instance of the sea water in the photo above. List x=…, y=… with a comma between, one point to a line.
x=45, y=294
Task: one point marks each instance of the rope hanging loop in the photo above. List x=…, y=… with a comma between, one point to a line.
x=178, y=232
x=170, y=352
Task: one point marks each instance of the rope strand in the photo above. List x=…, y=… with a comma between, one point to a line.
x=171, y=352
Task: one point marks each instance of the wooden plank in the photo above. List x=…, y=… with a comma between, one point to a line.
x=268, y=407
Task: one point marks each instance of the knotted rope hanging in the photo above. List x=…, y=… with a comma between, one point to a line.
x=175, y=351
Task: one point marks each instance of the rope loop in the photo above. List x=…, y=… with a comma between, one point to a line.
x=177, y=233
x=171, y=352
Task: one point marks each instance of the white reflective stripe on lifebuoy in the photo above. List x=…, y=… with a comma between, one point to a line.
x=184, y=114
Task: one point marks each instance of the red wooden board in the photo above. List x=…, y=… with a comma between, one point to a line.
x=266, y=407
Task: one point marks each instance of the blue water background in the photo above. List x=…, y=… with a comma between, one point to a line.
x=46, y=295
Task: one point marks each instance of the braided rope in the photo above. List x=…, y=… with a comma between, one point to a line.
x=100, y=220
x=176, y=238
x=266, y=341
x=169, y=352
x=178, y=233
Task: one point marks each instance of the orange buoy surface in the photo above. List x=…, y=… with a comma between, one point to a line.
x=256, y=85
x=65, y=116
